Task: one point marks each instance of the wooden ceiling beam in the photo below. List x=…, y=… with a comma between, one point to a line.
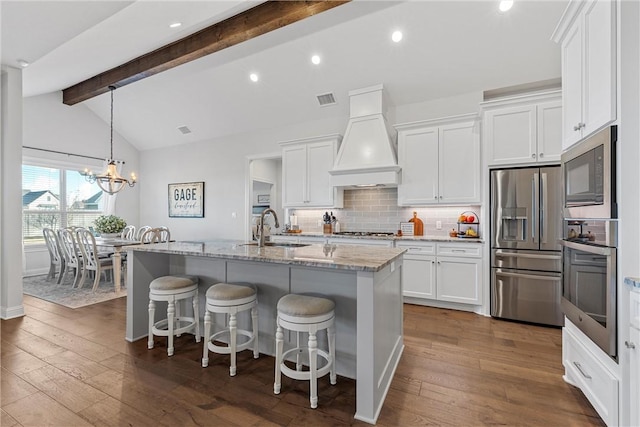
x=254, y=22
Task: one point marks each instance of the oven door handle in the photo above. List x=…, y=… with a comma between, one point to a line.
x=598, y=250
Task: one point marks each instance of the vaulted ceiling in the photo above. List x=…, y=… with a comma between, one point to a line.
x=449, y=48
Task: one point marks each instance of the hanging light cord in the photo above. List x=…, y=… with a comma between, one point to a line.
x=112, y=88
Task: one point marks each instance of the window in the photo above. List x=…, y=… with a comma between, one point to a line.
x=56, y=197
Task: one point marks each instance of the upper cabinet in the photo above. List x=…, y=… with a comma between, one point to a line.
x=440, y=161
x=306, y=181
x=524, y=129
x=587, y=33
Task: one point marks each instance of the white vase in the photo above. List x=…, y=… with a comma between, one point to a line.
x=109, y=235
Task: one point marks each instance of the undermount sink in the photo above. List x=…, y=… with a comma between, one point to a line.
x=281, y=244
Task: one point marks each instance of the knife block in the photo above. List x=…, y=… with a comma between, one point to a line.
x=326, y=228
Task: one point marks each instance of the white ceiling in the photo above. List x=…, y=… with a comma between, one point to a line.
x=449, y=48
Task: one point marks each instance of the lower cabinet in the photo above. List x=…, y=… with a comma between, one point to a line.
x=592, y=371
x=450, y=272
x=633, y=346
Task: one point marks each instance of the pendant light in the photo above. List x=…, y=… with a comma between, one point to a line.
x=110, y=181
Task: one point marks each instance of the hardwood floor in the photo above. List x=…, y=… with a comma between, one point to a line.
x=65, y=367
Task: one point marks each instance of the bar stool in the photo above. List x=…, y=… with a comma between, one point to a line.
x=302, y=313
x=173, y=289
x=230, y=299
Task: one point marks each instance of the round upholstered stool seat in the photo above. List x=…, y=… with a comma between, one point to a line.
x=303, y=313
x=230, y=299
x=173, y=289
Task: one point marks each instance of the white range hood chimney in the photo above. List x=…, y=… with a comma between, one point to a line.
x=367, y=155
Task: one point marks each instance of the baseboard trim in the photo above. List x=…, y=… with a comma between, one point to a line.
x=7, y=313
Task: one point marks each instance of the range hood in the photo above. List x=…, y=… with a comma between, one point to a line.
x=367, y=155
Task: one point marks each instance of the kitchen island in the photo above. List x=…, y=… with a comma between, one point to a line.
x=364, y=282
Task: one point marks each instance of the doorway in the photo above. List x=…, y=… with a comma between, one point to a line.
x=265, y=190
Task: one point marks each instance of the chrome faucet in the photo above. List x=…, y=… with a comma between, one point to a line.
x=261, y=224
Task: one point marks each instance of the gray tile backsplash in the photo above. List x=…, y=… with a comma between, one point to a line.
x=377, y=209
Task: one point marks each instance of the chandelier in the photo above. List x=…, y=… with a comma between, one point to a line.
x=110, y=181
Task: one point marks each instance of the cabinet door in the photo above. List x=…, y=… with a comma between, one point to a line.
x=459, y=172
x=320, y=157
x=459, y=280
x=512, y=132
x=599, y=76
x=418, y=276
x=549, y=131
x=572, y=85
x=634, y=383
x=418, y=158
x=294, y=170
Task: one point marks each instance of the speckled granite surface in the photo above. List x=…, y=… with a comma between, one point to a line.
x=422, y=238
x=347, y=257
x=633, y=283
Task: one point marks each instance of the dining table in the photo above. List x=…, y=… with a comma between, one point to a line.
x=115, y=245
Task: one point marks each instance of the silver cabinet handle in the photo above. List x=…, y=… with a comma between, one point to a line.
x=581, y=371
x=629, y=345
x=533, y=156
x=582, y=125
x=458, y=250
x=541, y=154
x=577, y=127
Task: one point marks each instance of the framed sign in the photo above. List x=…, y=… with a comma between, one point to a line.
x=264, y=198
x=186, y=200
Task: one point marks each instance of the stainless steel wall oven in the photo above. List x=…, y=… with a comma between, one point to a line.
x=590, y=238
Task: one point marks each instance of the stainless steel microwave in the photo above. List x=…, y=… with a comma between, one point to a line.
x=589, y=175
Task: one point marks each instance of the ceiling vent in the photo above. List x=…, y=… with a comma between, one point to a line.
x=184, y=129
x=326, y=99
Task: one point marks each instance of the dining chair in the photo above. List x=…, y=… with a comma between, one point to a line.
x=141, y=231
x=70, y=252
x=91, y=259
x=152, y=235
x=55, y=254
x=165, y=234
x=129, y=232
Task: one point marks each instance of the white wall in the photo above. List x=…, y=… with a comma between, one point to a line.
x=50, y=124
x=11, y=197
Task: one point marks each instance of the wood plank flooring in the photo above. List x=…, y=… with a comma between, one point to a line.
x=65, y=367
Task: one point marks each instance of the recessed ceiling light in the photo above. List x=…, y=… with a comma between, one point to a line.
x=396, y=36
x=315, y=59
x=254, y=77
x=22, y=63
x=175, y=25
x=505, y=5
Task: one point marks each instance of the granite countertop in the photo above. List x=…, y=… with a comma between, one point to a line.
x=357, y=258
x=396, y=238
x=633, y=283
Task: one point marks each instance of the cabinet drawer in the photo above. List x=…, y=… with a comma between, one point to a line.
x=596, y=382
x=418, y=248
x=634, y=310
x=468, y=250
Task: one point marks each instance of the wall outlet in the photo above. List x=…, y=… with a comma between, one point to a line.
x=438, y=225
x=234, y=215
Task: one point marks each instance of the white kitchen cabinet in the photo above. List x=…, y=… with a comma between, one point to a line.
x=633, y=346
x=306, y=182
x=588, y=36
x=592, y=371
x=440, y=161
x=450, y=272
x=524, y=129
x=364, y=242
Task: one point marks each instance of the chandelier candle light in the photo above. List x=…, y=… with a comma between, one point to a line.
x=110, y=181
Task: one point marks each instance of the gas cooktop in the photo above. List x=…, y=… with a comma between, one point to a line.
x=365, y=233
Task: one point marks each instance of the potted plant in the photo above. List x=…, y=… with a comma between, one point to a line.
x=110, y=225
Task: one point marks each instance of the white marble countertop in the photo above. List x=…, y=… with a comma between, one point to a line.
x=396, y=238
x=633, y=283
x=347, y=257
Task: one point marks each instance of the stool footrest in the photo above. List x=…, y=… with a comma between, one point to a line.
x=225, y=349
x=305, y=375
x=159, y=327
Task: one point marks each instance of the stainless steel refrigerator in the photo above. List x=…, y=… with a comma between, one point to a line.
x=526, y=257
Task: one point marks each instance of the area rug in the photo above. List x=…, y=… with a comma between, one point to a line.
x=64, y=294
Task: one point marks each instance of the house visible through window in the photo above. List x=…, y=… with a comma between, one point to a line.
x=56, y=197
